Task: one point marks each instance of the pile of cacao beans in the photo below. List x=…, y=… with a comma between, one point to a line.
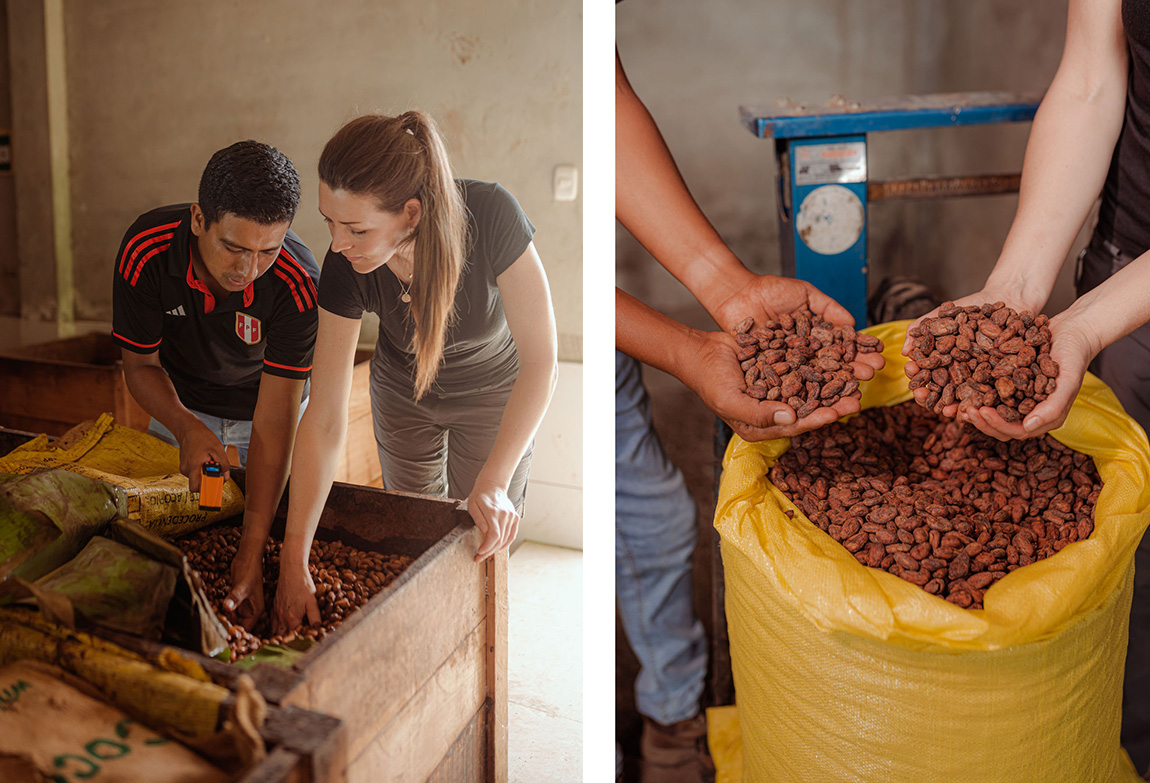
x=935, y=501
x=801, y=360
x=345, y=579
x=984, y=356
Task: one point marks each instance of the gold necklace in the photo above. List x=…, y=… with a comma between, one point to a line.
x=405, y=297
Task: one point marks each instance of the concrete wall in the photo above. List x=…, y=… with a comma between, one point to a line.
x=694, y=64
x=153, y=88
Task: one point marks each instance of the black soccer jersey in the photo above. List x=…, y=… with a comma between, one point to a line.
x=214, y=351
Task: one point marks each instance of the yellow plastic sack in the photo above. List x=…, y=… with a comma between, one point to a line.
x=847, y=673
x=725, y=743
x=147, y=468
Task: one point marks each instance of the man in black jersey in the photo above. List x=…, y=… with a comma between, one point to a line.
x=214, y=310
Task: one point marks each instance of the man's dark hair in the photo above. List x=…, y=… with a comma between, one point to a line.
x=251, y=180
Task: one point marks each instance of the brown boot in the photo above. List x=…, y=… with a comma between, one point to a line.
x=676, y=753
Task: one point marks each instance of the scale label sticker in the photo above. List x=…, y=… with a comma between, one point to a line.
x=820, y=164
x=830, y=220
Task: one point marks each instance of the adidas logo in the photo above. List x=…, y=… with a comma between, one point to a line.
x=178, y=311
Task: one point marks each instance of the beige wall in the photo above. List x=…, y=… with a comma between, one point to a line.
x=155, y=87
x=693, y=64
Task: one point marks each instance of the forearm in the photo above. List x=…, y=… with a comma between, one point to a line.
x=651, y=337
x=316, y=457
x=1067, y=160
x=1113, y=309
x=522, y=414
x=153, y=390
x=653, y=203
x=269, y=457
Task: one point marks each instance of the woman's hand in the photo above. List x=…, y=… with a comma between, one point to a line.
x=494, y=515
x=1073, y=350
x=295, y=599
x=987, y=294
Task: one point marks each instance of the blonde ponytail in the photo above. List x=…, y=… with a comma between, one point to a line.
x=393, y=159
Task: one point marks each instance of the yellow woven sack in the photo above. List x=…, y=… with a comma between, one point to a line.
x=848, y=673
x=147, y=468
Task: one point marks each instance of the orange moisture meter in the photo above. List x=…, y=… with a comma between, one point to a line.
x=211, y=486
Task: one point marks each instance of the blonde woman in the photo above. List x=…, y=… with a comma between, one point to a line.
x=465, y=362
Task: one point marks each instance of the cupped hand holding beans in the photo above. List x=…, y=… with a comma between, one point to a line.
x=1072, y=351
x=767, y=297
x=806, y=363
x=990, y=365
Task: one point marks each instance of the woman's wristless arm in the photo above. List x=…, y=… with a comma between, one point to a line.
x=531, y=319
x=1068, y=154
x=321, y=434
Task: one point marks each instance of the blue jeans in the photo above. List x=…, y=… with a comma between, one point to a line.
x=655, y=538
x=231, y=432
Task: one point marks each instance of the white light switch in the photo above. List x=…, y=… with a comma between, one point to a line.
x=565, y=183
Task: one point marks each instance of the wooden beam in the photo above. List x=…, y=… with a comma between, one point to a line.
x=496, y=676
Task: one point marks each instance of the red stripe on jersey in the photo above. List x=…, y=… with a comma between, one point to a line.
x=287, y=366
x=209, y=300
x=127, y=268
x=294, y=272
x=302, y=271
x=142, y=234
x=138, y=345
x=144, y=260
x=250, y=294
x=282, y=275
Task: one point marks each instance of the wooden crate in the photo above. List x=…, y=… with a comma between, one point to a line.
x=419, y=674
x=359, y=461
x=51, y=387
x=303, y=748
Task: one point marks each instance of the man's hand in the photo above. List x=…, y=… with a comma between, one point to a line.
x=198, y=444
x=714, y=374
x=1073, y=351
x=494, y=515
x=766, y=297
x=295, y=599
x=245, y=601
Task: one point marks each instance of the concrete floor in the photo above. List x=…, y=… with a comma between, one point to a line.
x=545, y=665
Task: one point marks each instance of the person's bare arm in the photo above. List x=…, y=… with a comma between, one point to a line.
x=152, y=388
x=1068, y=154
x=269, y=457
x=318, y=445
x=531, y=319
x=653, y=203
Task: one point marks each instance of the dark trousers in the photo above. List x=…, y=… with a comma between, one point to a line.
x=1125, y=368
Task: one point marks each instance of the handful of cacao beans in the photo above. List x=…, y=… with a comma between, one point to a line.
x=984, y=356
x=936, y=502
x=345, y=579
x=801, y=360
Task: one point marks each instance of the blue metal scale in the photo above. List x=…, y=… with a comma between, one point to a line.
x=823, y=184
